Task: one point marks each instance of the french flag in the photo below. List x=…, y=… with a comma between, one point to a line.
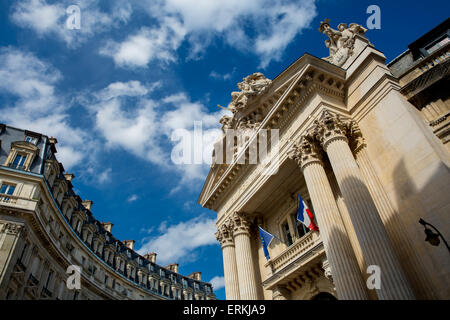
x=305, y=216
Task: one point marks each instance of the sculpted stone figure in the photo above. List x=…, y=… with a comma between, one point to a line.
x=225, y=121
x=252, y=85
x=341, y=42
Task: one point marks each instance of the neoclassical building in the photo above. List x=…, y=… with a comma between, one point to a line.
x=365, y=144
x=46, y=230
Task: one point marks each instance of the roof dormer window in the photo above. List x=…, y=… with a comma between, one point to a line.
x=19, y=161
x=30, y=139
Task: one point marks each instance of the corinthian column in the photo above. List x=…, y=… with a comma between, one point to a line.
x=248, y=287
x=225, y=237
x=344, y=267
x=375, y=244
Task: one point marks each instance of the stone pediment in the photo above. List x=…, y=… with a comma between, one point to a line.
x=277, y=106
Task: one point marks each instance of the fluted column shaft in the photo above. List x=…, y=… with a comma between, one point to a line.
x=374, y=241
x=344, y=267
x=230, y=272
x=413, y=265
x=225, y=237
x=246, y=270
x=248, y=287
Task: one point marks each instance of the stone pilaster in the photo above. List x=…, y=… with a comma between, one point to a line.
x=375, y=244
x=248, y=287
x=344, y=267
x=225, y=236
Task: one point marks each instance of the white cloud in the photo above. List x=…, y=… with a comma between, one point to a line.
x=104, y=176
x=179, y=241
x=217, y=282
x=273, y=25
x=117, y=89
x=132, y=198
x=145, y=129
x=31, y=82
x=218, y=76
x=147, y=44
x=49, y=20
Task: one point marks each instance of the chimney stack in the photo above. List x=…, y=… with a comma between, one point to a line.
x=87, y=204
x=69, y=176
x=150, y=257
x=196, y=276
x=108, y=226
x=52, y=140
x=129, y=244
x=173, y=267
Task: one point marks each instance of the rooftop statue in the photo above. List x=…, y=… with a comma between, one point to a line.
x=252, y=85
x=341, y=42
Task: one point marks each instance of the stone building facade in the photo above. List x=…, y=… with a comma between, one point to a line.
x=365, y=145
x=46, y=230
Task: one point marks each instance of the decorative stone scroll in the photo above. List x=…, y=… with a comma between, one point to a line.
x=341, y=42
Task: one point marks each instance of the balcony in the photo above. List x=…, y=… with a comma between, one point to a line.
x=8, y=199
x=296, y=250
x=301, y=257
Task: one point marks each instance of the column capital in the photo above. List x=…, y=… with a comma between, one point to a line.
x=224, y=235
x=306, y=151
x=356, y=139
x=241, y=223
x=329, y=127
x=13, y=228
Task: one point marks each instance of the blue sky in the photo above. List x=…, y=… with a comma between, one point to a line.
x=114, y=91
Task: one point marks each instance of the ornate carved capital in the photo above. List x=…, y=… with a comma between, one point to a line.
x=356, y=139
x=241, y=223
x=329, y=127
x=224, y=235
x=306, y=152
x=13, y=228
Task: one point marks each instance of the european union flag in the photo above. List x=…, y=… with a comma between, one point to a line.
x=266, y=239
